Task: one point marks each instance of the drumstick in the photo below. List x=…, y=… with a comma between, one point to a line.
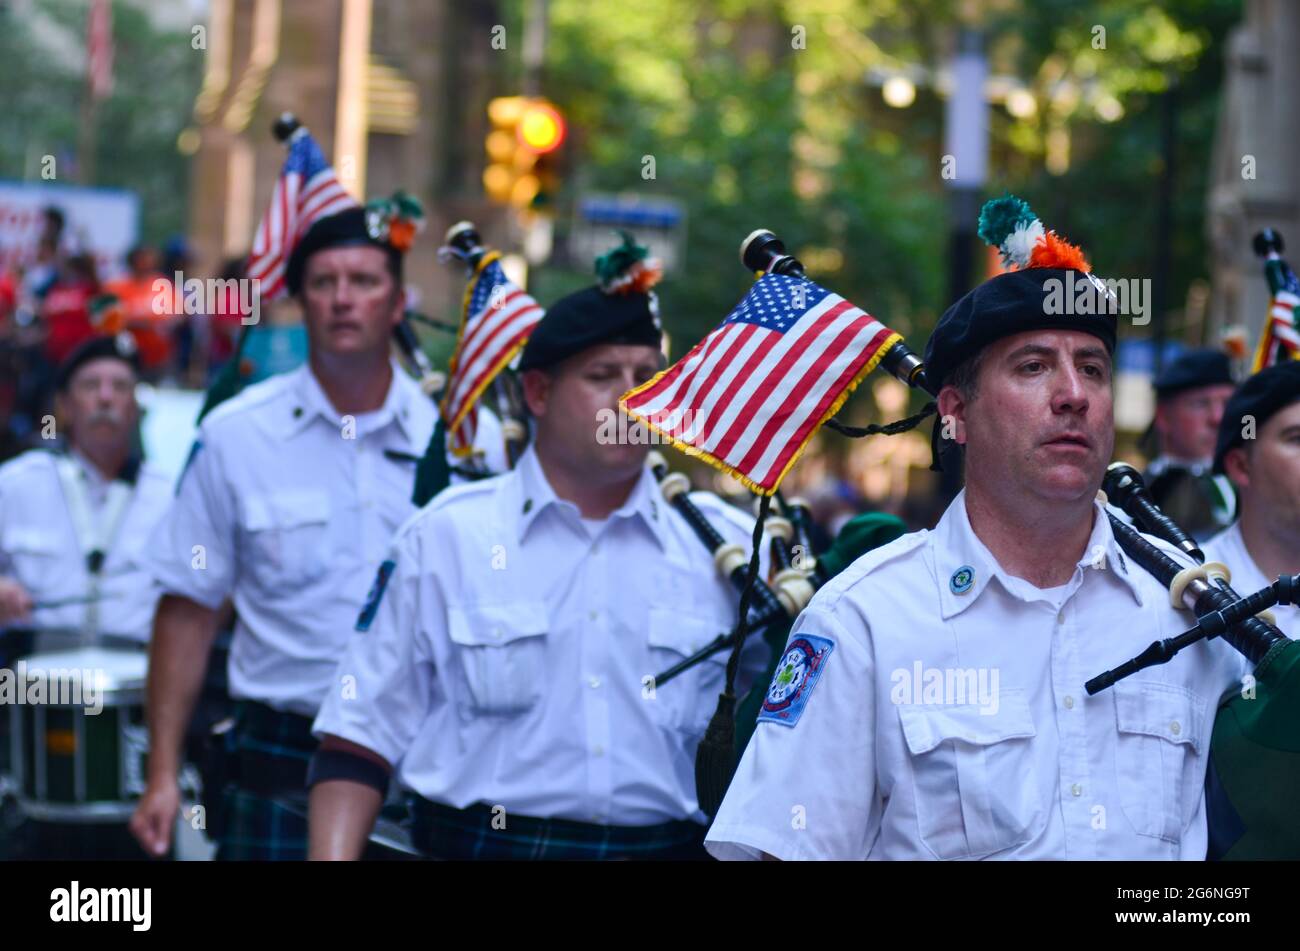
x=75, y=599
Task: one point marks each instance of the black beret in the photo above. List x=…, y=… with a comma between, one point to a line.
x=1193, y=369
x=345, y=229
x=1261, y=396
x=1012, y=303
x=117, y=346
x=587, y=318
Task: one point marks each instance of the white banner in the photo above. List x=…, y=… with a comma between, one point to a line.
x=102, y=221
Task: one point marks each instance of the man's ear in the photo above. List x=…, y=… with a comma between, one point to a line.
x=537, y=391
x=1161, y=422
x=952, y=414
x=1236, y=463
x=399, y=306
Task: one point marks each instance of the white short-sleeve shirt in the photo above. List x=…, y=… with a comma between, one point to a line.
x=512, y=649
x=1229, y=548
x=41, y=550
x=936, y=709
x=287, y=508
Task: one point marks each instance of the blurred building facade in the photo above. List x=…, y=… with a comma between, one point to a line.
x=1255, y=181
x=390, y=90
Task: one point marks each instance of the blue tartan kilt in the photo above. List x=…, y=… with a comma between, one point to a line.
x=257, y=826
x=441, y=832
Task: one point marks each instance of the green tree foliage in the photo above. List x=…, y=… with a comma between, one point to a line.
x=751, y=129
x=156, y=75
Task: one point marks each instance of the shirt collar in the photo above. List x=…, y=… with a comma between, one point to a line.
x=308, y=401
x=1162, y=463
x=535, y=495
x=964, y=566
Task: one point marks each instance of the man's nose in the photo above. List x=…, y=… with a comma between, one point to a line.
x=1071, y=393
x=343, y=294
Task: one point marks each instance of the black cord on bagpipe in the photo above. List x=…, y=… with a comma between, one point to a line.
x=1204, y=590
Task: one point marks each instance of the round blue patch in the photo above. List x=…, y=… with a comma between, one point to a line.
x=962, y=579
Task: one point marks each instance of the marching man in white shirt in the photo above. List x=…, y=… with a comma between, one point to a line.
x=505, y=663
x=288, y=502
x=1259, y=449
x=73, y=525
x=931, y=701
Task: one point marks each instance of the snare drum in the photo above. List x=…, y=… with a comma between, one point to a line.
x=79, y=745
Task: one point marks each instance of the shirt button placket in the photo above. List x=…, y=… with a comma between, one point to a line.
x=596, y=661
x=1080, y=838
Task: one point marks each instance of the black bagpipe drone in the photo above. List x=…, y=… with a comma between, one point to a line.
x=1253, y=779
x=796, y=575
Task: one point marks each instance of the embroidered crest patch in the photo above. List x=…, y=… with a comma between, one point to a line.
x=796, y=674
x=376, y=595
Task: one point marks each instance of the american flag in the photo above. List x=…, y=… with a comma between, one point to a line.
x=497, y=319
x=99, y=48
x=1280, y=339
x=749, y=396
x=307, y=190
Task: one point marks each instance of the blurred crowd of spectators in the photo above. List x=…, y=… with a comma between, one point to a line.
x=53, y=298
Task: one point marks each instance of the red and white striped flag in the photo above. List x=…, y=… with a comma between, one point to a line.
x=99, y=48
x=750, y=395
x=306, y=191
x=1280, y=337
x=495, y=324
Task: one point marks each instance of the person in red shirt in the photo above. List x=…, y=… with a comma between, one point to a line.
x=66, y=308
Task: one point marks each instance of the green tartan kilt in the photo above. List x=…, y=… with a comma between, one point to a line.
x=441, y=832
x=258, y=827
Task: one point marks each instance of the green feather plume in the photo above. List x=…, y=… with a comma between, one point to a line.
x=999, y=217
x=614, y=264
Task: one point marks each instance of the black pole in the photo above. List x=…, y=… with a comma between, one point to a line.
x=1164, y=221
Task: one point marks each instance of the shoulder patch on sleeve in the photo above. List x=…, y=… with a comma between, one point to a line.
x=797, y=672
x=376, y=595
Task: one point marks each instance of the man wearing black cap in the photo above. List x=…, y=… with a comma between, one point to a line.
x=506, y=669
x=74, y=523
x=1259, y=450
x=931, y=701
x=291, y=494
x=1190, y=396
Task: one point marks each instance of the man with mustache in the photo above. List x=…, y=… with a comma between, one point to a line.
x=877, y=739
x=74, y=522
x=289, y=500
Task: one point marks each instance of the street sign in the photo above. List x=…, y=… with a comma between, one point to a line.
x=657, y=223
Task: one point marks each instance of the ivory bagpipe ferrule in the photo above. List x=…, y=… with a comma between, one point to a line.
x=730, y=557
x=1202, y=589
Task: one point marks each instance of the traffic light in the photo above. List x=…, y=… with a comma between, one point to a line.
x=521, y=149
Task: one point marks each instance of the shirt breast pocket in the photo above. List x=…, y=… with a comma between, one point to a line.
x=688, y=700
x=287, y=536
x=35, y=555
x=976, y=785
x=1157, y=755
x=502, y=653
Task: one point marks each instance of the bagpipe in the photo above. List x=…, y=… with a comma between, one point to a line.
x=1253, y=777
x=1279, y=339
x=461, y=243
x=796, y=577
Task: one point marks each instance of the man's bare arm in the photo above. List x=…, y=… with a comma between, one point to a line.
x=183, y=633
x=341, y=813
